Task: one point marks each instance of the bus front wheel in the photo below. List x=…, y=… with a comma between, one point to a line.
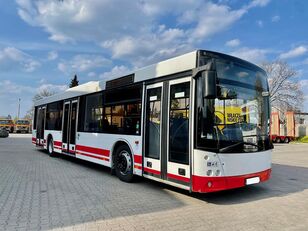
x=124, y=164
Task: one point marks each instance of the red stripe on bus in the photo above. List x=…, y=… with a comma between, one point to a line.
x=58, y=143
x=88, y=155
x=176, y=177
x=71, y=151
x=153, y=171
x=33, y=139
x=138, y=167
x=97, y=151
x=138, y=159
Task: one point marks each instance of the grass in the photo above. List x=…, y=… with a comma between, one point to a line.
x=303, y=139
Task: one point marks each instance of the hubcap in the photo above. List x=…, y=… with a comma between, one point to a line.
x=124, y=162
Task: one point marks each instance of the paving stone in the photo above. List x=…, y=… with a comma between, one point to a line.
x=42, y=193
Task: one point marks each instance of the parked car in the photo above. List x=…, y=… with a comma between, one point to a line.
x=3, y=133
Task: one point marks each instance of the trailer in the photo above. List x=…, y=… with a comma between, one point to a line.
x=282, y=127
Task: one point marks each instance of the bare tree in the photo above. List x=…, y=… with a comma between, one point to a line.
x=40, y=95
x=285, y=91
x=43, y=94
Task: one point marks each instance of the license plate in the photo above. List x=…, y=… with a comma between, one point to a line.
x=253, y=180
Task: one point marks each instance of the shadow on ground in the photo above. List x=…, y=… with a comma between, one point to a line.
x=285, y=180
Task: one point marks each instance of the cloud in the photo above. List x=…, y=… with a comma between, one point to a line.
x=253, y=55
x=15, y=90
x=233, y=43
x=91, y=74
x=276, y=18
x=82, y=63
x=52, y=55
x=134, y=31
x=259, y=23
x=293, y=53
x=12, y=59
x=52, y=87
x=116, y=71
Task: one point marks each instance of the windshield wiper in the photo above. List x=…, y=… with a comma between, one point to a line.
x=230, y=147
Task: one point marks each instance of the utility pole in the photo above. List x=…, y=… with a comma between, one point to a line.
x=18, y=108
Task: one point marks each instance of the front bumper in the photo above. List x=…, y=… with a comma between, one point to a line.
x=204, y=184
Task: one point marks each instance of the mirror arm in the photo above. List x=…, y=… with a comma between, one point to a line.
x=196, y=71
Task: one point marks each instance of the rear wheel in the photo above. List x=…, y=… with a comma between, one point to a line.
x=124, y=164
x=286, y=140
x=278, y=140
x=50, y=148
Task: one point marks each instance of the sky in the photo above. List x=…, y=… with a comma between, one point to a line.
x=43, y=43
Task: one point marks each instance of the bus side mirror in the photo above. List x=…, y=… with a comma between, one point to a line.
x=210, y=84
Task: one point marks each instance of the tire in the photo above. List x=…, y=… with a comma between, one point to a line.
x=124, y=164
x=286, y=140
x=50, y=148
x=278, y=140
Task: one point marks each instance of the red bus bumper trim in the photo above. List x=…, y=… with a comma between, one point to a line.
x=200, y=183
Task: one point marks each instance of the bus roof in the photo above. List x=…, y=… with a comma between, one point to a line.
x=173, y=65
x=177, y=64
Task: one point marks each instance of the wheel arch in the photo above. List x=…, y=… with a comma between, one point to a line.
x=117, y=144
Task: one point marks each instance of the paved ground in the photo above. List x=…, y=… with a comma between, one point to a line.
x=39, y=193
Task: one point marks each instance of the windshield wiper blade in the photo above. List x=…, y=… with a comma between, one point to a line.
x=230, y=147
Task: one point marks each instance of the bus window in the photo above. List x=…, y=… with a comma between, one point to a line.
x=94, y=113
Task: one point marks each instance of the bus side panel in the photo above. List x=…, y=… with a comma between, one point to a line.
x=57, y=139
x=34, y=136
x=98, y=148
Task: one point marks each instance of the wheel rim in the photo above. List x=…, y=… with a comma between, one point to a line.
x=124, y=162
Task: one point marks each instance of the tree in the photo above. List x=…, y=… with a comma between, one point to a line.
x=43, y=94
x=29, y=114
x=74, y=82
x=285, y=91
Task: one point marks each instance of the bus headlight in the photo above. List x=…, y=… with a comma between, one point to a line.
x=217, y=173
x=209, y=172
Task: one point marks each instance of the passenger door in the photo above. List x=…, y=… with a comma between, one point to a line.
x=167, y=129
x=40, y=129
x=69, y=126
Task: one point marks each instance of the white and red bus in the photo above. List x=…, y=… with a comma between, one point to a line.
x=183, y=121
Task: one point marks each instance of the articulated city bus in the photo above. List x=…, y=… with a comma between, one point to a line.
x=199, y=121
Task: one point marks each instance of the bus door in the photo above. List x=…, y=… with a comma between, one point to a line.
x=41, y=115
x=167, y=129
x=69, y=126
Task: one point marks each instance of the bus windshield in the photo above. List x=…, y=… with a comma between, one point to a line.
x=237, y=120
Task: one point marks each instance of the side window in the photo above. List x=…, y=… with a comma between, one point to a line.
x=93, y=113
x=54, y=116
x=123, y=118
x=179, y=123
x=122, y=112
